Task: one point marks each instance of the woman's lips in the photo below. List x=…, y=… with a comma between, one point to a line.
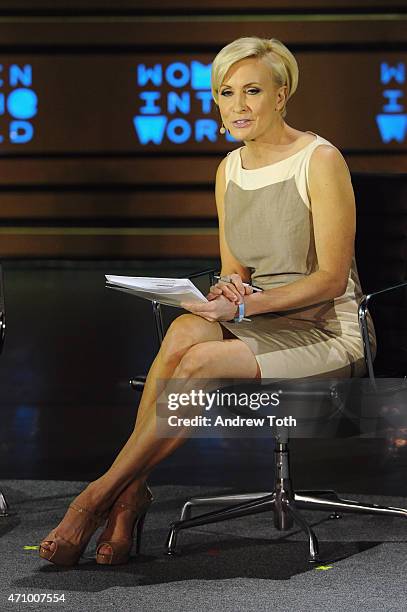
x=242, y=123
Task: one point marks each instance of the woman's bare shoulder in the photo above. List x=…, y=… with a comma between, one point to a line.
x=327, y=156
x=327, y=166
x=221, y=169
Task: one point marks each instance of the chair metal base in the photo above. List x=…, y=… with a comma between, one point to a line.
x=3, y=505
x=283, y=502
x=284, y=508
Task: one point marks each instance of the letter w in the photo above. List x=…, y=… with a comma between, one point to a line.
x=387, y=73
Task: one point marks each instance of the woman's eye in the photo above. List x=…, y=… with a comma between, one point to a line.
x=252, y=90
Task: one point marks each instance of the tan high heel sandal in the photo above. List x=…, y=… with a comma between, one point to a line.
x=120, y=549
x=65, y=552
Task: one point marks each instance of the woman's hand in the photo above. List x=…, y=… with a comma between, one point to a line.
x=219, y=309
x=231, y=287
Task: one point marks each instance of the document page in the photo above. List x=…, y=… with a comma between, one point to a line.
x=169, y=291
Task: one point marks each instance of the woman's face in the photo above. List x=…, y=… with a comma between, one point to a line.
x=248, y=98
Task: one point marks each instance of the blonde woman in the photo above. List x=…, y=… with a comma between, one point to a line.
x=286, y=224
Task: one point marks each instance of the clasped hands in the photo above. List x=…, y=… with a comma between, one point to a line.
x=223, y=299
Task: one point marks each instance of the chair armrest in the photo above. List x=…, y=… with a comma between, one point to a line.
x=138, y=382
x=362, y=317
x=209, y=271
x=385, y=290
x=157, y=314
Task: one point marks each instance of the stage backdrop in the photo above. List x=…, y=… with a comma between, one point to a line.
x=109, y=135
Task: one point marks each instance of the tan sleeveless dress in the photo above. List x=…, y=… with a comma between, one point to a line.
x=269, y=229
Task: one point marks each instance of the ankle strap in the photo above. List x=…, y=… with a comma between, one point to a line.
x=147, y=501
x=97, y=518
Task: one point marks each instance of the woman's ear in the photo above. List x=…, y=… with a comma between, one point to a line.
x=282, y=94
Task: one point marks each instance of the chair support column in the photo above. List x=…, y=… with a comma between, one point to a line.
x=3, y=505
x=281, y=502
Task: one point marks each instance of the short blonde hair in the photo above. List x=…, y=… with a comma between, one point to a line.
x=280, y=59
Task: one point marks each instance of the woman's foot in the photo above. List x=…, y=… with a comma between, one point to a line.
x=65, y=544
x=127, y=513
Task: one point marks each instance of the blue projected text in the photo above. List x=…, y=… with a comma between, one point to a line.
x=392, y=123
x=159, y=113
x=18, y=104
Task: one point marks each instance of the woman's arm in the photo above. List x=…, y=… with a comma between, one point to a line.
x=333, y=210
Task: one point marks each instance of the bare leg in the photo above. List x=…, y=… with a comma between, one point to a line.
x=183, y=333
x=186, y=331
x=209, y=359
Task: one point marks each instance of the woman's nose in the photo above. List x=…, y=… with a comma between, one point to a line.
x=240, y=103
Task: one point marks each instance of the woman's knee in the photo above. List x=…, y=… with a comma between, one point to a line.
x=183, y=333
x=221, y=359
x=196, y=362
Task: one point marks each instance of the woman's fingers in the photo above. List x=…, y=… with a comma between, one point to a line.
x=230, y=292
x=215, y=289
x=238, y=283
x=227, y=289
x=232, y=287
x=212, y=296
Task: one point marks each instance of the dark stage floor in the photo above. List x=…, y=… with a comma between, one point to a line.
x=66, y=407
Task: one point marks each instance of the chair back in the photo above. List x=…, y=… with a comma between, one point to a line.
x=381, y=255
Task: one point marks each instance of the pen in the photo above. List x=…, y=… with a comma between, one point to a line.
x=244, y=284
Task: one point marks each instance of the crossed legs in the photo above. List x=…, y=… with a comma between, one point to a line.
x=192, y=348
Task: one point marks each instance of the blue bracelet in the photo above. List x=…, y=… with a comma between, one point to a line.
x=240, y=314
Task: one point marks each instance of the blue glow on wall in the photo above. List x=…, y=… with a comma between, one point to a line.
x=150, y=129
x=392, y=127
x=206, y=100
x=152, y=74
x=167, y=114
x=177, y=74
x=179, y=131
x=392, y=123
x=155, y=129
x=392, y=105
x=179, y=102
x=20, y=75
x=21, y=132
x=18, y=102
x=150, y=98
x=206, y=129
x=201, y=75
x=387, y=73
x=22, y=103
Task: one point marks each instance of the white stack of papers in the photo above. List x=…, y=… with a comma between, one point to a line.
x=169, y=291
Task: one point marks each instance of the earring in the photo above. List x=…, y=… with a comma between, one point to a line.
x=222, y=129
